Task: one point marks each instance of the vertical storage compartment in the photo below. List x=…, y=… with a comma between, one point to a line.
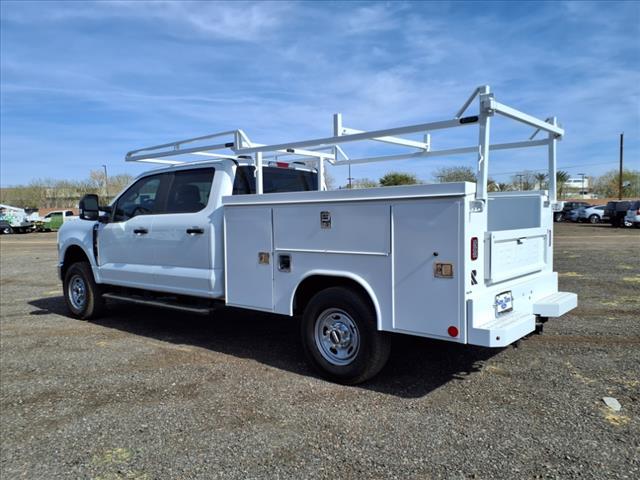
x=249, y=257
x=425, y=234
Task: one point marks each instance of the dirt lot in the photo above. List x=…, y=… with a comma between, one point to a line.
x=146, y=394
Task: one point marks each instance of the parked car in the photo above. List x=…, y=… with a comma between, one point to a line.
x=593, y=214
x=54, y=220
x=616, y=211
x=633, y=214
x=572, y=215
x=15, y=219
x=5, y=227
x=568, y=207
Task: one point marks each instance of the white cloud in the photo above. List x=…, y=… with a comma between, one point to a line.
x=279, y=70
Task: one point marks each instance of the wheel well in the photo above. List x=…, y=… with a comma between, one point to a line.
x=73, y=255
x=315, y=283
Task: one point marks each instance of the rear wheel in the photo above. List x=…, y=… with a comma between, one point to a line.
x=594, y=218
x=340, y=337
x=557, y=216
x=82, y=294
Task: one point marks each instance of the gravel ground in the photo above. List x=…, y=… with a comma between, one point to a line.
x=152, y=394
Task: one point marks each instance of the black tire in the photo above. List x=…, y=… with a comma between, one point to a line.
x=79, y=275
x=354, y=314
x=594, y=219
x=7, y=230
x=558, y=217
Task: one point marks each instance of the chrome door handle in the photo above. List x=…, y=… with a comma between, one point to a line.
x=140, y=231
x=195, y=231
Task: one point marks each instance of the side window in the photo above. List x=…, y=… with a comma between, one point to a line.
x=68, y=213
x=288, y=180
x=275, y=180
x=190, y=190
x=140, y=199
x=245, y=182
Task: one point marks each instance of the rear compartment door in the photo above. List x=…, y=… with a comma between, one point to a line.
x=514, y=253
x=427, y=234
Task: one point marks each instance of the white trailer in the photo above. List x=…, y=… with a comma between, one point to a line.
x=446, y=261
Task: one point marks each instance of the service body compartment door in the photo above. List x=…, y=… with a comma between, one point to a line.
x=427, y=301
x=249, y=257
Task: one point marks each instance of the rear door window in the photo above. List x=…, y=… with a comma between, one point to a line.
x=190, y=190
x=274, y=180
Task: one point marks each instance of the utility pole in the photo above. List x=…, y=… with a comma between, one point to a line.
x=620, y=175
x=582, y=189
x=106, y=183
x=349, y=178
x=520, y=175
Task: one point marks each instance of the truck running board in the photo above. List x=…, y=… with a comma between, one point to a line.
x=158, y=303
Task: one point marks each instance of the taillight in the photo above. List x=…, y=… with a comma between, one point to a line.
x=474, y=248
x=282, y=165
x=638, y=212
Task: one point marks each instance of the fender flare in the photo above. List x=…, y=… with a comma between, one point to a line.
x=341, y=274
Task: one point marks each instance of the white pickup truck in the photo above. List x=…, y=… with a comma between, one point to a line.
x=446, y=261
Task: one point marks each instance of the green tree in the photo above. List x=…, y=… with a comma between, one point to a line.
x=607, y=184
x=540, y=179
x=398, y=178
x=455, y=174
x=562, y=177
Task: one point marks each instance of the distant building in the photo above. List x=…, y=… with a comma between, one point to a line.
x=577, y=187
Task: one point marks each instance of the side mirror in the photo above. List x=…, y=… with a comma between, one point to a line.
x=89, y=209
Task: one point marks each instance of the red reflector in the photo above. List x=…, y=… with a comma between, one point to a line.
x=452, y=331
x=282, y=164
x=474, y=248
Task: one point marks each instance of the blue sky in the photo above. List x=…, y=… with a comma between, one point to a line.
x=82, y=83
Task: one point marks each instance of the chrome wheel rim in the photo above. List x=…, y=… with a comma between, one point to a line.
x=337, y=336
x=77, y=292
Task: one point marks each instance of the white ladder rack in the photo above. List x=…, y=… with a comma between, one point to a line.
x=329, y=149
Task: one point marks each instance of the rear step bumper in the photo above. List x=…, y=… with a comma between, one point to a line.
x=555, y=305
x=502, y=331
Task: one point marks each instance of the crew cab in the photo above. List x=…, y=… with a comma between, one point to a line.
x=445, y=261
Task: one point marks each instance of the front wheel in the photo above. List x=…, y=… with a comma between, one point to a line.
x=82, y=294
x=594, y=219
x=340, y=337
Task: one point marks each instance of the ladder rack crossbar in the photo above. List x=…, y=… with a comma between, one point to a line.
x=442, y=153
